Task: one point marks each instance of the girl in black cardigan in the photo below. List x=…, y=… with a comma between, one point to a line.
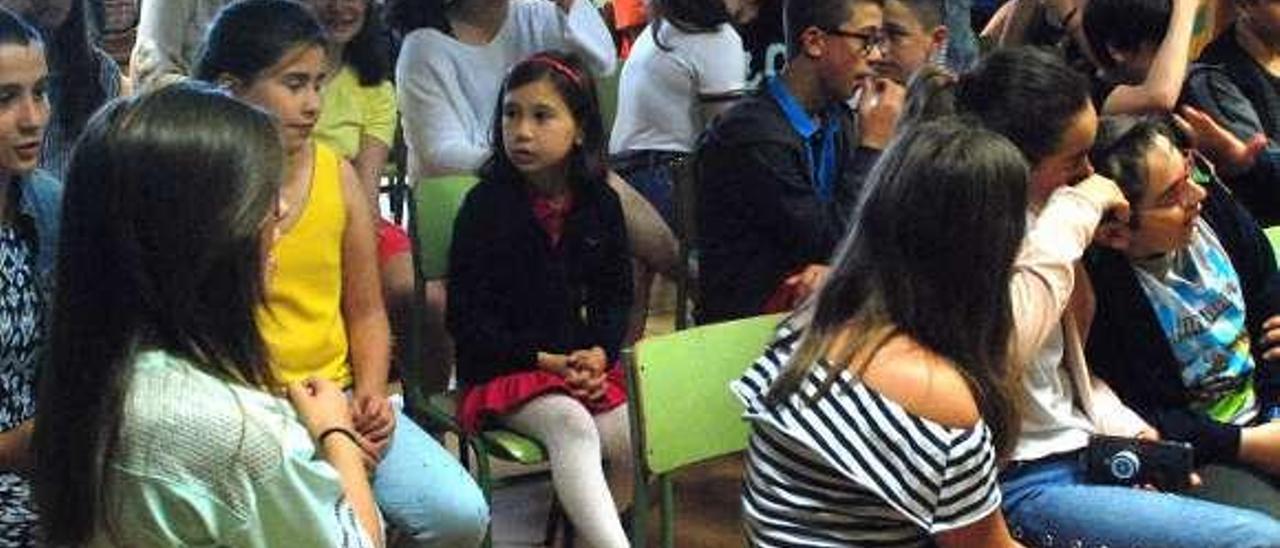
x=540, y=286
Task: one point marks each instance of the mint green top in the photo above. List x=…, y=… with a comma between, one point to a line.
x=206, y=462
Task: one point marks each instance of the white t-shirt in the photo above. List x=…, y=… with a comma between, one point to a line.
x=1052, y=423
x=447, y=90
x=658, y=106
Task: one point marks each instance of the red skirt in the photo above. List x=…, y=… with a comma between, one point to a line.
x=392, y=241
x=505, y=394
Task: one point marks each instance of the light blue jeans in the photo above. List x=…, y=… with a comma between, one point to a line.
x=425, y=492
x=1048, y=503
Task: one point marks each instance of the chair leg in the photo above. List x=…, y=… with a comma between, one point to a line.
x=569, y=534
x=639, y=509
x=668, y=511
x=553, y=521
x=486, y=482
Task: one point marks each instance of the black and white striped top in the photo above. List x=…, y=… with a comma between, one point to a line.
x=854, y=468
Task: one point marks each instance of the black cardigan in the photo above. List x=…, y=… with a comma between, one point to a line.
x=511, y=294
x=758, y=215
x=1128, y=349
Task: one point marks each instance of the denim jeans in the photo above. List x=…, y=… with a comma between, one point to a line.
x=425, y=492
x=1048, y=503
x=650, y=173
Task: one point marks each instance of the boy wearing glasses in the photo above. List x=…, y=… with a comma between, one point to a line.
x=780, y=172
x=1187, y=323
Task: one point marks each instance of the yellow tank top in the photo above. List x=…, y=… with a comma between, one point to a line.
x=302, y=322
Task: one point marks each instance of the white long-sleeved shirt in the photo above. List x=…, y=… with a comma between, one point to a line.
x=169, y=36
x=1051, y=298
x=448, y=90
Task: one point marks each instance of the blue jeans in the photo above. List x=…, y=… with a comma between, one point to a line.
x=425, y=492
x=649, y=172
x=1048, y=503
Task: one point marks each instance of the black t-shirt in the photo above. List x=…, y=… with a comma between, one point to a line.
x=765, y=41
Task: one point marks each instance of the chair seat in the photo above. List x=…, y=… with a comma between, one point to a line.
x=512, y=446
x=500, y=442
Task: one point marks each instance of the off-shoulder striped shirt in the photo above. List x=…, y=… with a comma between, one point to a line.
x=853, y=468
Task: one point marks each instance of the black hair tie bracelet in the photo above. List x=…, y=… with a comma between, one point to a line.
x=337, y=430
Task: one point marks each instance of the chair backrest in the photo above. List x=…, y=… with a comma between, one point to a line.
x=607, y=94
x=436, y=201
x=681, y=394
x=1273, y=236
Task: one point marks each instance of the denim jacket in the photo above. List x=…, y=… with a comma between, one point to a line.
x=40, y=202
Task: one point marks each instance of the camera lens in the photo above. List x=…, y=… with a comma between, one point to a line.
x=1124, y=465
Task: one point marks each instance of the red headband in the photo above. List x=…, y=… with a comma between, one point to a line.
x=559, y=66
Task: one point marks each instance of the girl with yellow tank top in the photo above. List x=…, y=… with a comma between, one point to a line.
x=304, y=323
x=324, y=315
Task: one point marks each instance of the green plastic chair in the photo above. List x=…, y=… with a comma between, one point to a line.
x=1273, y=236
x=607, y=94
x=682, y=411
x=435, y=203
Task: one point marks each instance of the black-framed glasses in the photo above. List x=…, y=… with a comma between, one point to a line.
x=870, y=41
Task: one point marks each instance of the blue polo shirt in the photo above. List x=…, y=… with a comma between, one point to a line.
x=822, y=165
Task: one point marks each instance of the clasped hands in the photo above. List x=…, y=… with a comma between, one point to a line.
x=584, y=371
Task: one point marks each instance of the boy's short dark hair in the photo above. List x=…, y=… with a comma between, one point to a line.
x=1120, y=149
x=798, y=15
x=1124, y=25
x=929, y=12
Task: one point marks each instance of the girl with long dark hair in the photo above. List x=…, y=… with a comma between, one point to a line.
x=358, y=121
x=880, y=413
x=450, y=70
x=82, y=77
x=29, y=216
x=538, y=345
x=160, y=421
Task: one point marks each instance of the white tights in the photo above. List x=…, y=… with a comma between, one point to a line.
x=573, y=439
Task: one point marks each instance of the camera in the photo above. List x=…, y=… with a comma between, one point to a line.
x=1112, y=460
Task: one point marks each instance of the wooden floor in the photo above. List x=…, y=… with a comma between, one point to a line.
x=707, y=509
x=708, y=513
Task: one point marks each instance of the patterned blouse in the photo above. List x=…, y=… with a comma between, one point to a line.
x=21, y=333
